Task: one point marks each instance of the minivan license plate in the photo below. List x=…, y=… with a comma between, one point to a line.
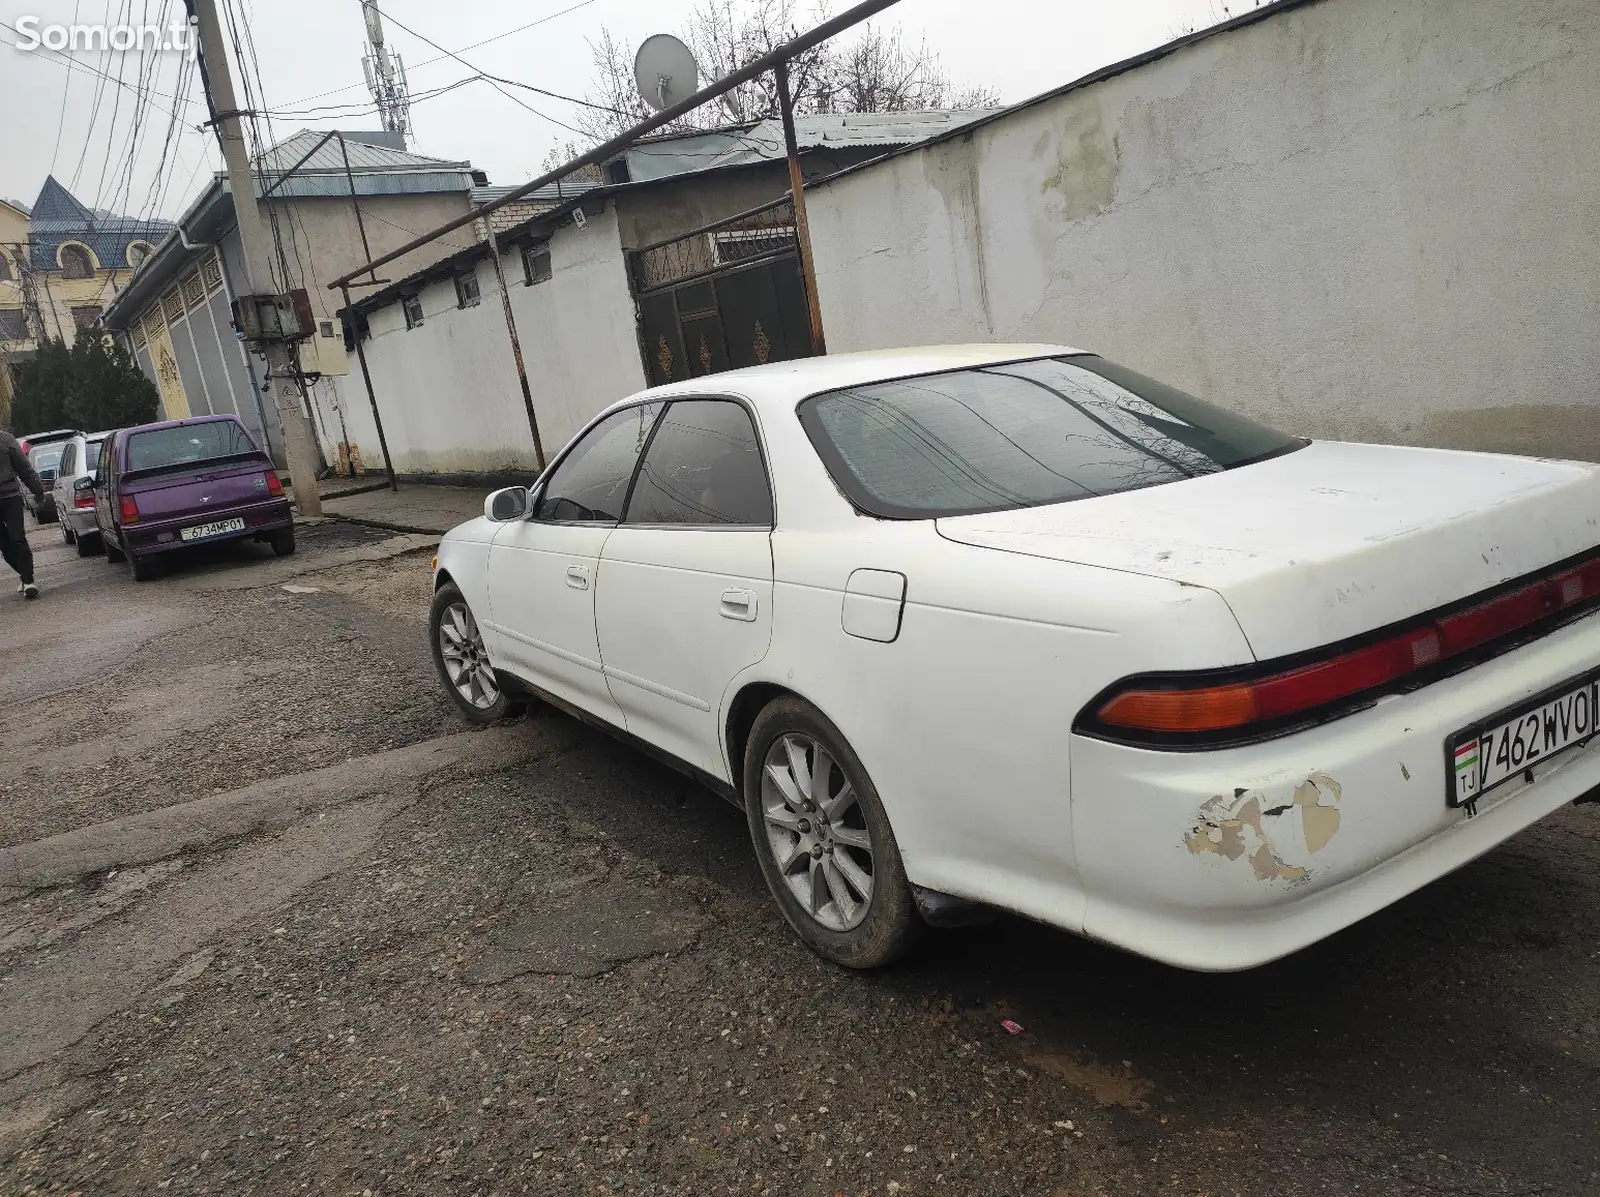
x=1484, y=757
x=201, y=531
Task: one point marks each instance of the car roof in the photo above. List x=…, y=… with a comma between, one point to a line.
x=793, y=380
x=188, y=420
x=45, y=438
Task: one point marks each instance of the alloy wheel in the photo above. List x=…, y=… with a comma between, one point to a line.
x=465, y=661
x=817, y=831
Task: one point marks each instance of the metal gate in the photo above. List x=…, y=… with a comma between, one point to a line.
x=723, y=296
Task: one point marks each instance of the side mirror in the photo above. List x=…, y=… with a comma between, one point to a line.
x=506, y=505
x=85, y=484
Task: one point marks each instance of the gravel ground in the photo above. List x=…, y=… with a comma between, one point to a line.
x=236, y=686
x=562, y=975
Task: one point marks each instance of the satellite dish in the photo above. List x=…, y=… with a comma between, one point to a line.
x=665, y=70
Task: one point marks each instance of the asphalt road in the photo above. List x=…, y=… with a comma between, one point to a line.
x=271, y=922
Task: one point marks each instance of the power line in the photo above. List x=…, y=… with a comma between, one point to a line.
x=94, y=106
x=492, y=82
x=66, y=87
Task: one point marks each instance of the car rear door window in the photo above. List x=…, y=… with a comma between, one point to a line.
x=68, y=456
x=185, y=444
x=591, y=483
x=91, y=456
x=703, y=466
x=1022, y=434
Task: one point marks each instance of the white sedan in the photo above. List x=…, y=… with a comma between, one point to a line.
x=1013, y=626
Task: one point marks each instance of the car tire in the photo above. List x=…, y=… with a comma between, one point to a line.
x=89, y=544
x=142, y=569
x=827, y=849
x=68, y=536
x=461, y=661
x=282, y=541
x=113, y=547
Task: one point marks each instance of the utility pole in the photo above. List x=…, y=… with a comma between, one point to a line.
x=516, y=341
x=802, y=227
x=257, y=253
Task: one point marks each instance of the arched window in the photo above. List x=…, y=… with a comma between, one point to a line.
x=138, y=251
x=76, y=262
x=5, y=269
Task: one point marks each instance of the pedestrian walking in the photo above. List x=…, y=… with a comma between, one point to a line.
x=16, y=471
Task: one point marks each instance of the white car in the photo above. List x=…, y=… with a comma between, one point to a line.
x=1013, y=626
x=73, y=493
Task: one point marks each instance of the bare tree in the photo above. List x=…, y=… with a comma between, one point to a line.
x=878, y=71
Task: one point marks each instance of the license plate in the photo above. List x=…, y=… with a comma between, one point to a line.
x=1484, y=757
x=201, y=531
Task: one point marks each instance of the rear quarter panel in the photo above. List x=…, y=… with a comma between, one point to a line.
x=964, y=720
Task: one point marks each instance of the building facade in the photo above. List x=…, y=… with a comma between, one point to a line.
x=61, y=264
x=327, y=206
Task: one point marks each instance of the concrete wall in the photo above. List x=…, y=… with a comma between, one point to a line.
x=448, y=390
x=1354, y=218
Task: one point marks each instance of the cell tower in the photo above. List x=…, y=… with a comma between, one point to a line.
x=386, y=75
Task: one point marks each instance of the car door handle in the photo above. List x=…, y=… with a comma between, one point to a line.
x=738, y=604
x=578, y=577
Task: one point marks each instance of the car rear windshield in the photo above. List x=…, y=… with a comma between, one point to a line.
x=186, y=444
x=1022, y=434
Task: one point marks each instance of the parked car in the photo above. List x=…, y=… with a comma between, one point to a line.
x=1012, y=625
x=179, y=483
x=73, y=492
x=44, y=452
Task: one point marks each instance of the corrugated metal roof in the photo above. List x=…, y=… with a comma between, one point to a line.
x=363, y=156
x=550, y=193
x=839, y=130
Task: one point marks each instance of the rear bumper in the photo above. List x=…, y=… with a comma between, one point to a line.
x=160, y=536
x=80, y=519
x=1229, y=859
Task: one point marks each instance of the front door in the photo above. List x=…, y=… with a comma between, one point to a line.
x=543, y=570
x=684, y=600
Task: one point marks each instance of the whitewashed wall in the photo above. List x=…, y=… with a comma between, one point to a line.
x=448, y=390
x=1355, y=218
x=579, y=334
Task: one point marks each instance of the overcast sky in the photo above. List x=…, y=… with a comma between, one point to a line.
x=309, y=54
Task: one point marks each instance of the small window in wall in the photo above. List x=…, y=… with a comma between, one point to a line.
x=76, y=262
x=413, y=309
x=138, y=251
x=84, y=317
x=536, y=262
x=467, y=295
x=5, y=269
x=13, y=325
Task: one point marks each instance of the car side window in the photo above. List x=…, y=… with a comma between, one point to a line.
x=591, y=483
x=68, y=457
x=703, y=467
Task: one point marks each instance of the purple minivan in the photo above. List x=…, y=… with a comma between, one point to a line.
x=186, y=482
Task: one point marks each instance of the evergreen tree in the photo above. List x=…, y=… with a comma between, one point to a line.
x=94, y=385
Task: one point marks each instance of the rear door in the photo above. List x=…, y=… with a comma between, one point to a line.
x=105, y=503
x=684, y=599
x=542, y=569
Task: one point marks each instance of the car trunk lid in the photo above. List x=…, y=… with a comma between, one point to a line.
x=1327, y=542
x=198, y=489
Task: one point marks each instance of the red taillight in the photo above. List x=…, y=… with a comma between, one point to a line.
x=130, y=510
x=81, y=501
x=274, y=487
x=1235, y=704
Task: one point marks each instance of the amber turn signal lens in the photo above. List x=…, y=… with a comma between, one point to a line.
x=1211, y=709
